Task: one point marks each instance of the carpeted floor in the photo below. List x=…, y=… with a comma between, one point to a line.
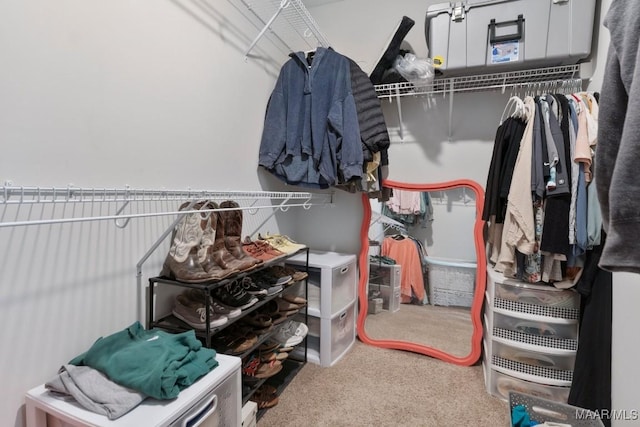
x=371, y=386
x=446, y=328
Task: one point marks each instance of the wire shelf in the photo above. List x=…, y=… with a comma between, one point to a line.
x=250, y=201
x=287, y=21
x=29, y=195
x=557, y=78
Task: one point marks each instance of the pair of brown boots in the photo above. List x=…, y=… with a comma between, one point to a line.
x=206, y=244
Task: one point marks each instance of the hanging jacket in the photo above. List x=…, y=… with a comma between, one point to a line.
x=519, y=226
x=373, y=129
x=311, y=131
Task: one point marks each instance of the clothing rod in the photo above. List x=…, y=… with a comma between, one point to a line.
x=21, y=194
x=147, y=215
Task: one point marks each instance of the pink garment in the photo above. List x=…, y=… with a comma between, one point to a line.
x=405, y=253
x=583, y=147
x=405, y=202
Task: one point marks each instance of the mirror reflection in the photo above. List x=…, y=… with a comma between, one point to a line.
x=422, y=269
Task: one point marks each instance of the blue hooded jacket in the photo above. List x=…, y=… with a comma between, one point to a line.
x=311, y=136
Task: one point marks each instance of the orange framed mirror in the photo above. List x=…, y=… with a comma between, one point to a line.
x=469, y=353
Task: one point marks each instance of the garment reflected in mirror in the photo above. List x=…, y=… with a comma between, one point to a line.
x=423, y=277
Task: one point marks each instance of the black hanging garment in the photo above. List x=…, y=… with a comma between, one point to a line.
x=591, y=385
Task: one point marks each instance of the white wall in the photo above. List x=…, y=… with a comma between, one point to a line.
x=159, y=95
x=108, y=94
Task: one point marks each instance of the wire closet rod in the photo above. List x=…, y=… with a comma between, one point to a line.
x=21, y=194
x=282, y=207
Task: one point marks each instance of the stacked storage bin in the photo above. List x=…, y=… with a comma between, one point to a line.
x=386, y=279
x=530, y=338
x=331, y=304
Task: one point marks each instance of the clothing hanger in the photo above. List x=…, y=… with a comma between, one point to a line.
x=517, y=112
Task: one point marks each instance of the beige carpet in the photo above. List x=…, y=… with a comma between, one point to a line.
x=370, y=386
x=446, y=328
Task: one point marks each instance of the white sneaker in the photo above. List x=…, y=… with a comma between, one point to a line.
x=291, y=333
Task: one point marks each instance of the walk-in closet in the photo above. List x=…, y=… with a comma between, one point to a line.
x=318, y=213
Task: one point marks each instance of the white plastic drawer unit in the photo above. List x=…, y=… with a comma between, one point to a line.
x=501, y=384
x=383, y=274
x=543, y=328
x=213, y=400
x=562, y=360
x=543, y=302
x=332, y=281
x=328, y=340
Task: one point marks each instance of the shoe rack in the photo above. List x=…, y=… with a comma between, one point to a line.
x=530, y=338
x=291, y=365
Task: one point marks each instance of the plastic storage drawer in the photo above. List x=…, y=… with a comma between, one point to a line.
x=213, y=400
x=390, y=298
x=328, y=340
x=564, y=361
x=383, y=274
x=502, y=384
x=332, y=281
x=538, y=300
x=535, y=327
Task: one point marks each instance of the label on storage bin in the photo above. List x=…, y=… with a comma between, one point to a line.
x=505, y=52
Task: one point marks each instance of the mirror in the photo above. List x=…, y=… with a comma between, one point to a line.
x=436, y=313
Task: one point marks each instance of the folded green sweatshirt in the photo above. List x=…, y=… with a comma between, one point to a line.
x=153, y=362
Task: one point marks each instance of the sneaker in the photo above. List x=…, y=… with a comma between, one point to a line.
x=233, y=295
x=267, y=276
x=252, y=288
x=291, y=333
x=198, y=296
x=281, y=270
x=270, y=288
x=194, y=313
x=231, y=313
x=283, y=243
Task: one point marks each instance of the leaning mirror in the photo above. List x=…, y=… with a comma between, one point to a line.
x=423, y=270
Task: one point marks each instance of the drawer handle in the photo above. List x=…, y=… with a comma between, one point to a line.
x=550, y=413
x=344, y=270
x=343, y=315
x=202, y=413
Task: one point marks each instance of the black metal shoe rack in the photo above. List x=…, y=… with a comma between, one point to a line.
x=290, y=366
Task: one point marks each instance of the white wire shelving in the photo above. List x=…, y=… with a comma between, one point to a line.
x=254, y=200
x=559, y=79
x=288, y=22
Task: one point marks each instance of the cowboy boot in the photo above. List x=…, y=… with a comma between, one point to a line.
x=212, y=261
x=182, y=261
x=233, y=232
x=220, y=245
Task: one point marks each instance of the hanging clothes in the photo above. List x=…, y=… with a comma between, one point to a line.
x=519, y=226
x=311, y=135
x=373, y=134
x=404, y=251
